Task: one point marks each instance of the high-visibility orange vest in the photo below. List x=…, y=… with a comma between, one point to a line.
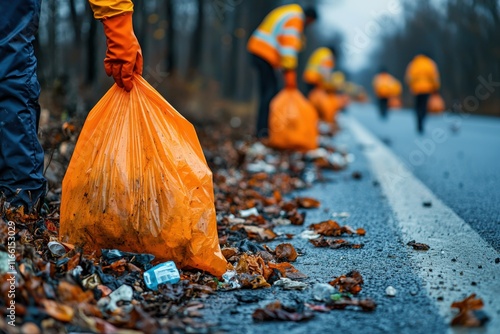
x=319, y=67
x=386, y=86
x=278, y=38
x=422, y=75
x=107, y=8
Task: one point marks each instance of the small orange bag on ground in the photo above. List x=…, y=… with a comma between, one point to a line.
x=293, y=122
x=324, y=103
x=435, y=104
x=395, y=103
x=138, y=182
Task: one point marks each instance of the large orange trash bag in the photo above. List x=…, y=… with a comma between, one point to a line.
x=138, y=181
x=435, y=104
x=293, y=122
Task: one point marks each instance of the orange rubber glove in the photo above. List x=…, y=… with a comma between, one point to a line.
x=290, y=77
x=124, y=55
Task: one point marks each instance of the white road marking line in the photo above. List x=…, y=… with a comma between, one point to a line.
x=459, y=262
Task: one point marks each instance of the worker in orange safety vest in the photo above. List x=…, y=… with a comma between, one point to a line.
x=319, y=68
x=22, y=182
x=274, y=45
x=385, y=87
x=422, y=76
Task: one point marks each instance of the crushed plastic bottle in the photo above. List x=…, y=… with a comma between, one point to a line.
x=323, y=292
x=164, y=273
x=231, y=281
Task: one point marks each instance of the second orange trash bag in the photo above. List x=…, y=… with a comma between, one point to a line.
x=138, y=181
x=293, y=122
x=435, y=104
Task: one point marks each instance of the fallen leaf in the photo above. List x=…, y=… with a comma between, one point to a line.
x=418, y=246
x=58, y=311
x=286, y=252
x=470, y=312
x=307, y=202
x=348, y=283
x=253, y=281
x=276, y=311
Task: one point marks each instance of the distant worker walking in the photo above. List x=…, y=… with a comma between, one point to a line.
x=319, y=68
x=385, y=87
x=275, y=45
x=422, y=76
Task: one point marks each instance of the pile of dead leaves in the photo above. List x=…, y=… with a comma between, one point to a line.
x=68, y=290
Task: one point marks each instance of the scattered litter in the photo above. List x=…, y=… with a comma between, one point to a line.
x=56, y=248
x=231, y=282
x=123, y=294
x=390, y=291
x=341, y=215
x=288, y=284
x=164, y=273
x=249, y=212
x=322, y=292
x=261, y=167
x=309, y=235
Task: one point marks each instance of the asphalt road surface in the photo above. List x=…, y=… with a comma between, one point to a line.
x=462, y=167
x=449, y=199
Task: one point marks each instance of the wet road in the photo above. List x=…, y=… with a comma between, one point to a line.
x=458, y=158
x=426, y=282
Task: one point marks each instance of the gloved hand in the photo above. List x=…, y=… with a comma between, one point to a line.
x=290, y=77
x=124, y=55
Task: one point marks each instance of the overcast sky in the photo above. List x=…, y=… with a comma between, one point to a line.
x=362, y=22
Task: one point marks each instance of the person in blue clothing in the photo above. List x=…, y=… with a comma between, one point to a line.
x=22, y=183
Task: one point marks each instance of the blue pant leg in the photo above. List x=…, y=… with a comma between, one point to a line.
x=21, y=155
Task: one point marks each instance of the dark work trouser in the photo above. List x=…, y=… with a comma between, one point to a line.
x=268, y=88
x=421, y=110
x=21, y=155
x=383, y=106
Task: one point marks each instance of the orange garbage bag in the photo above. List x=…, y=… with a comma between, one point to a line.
x=325, y=104
x=293, y=122
x=435, y=104
x=138, y=181
x=395, y=103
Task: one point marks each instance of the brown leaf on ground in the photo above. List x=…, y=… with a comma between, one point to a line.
x=348, y=283
x=307, y=202
x=253, y=281
x=229, y=252
x=276, y=311
x=58, y=311
x=361, y=232
x=470, y=314
x=287, y=270
x=418, y=246
x=256, y=233
x=331, y=228
x=69, y=293
x=334, y=243
x=366, y=305
x=253, y=265
x=286, y=252
x=295, y=217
